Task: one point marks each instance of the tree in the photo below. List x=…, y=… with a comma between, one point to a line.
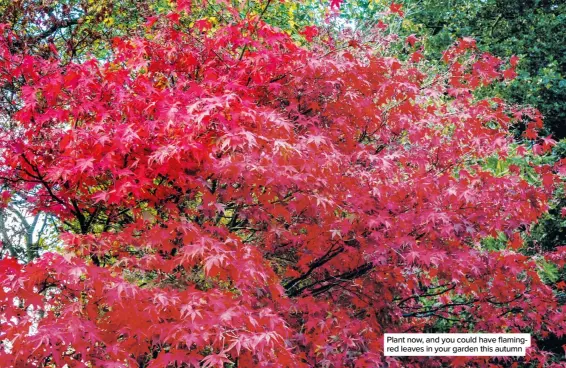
x=229, y=197
x=24, y=234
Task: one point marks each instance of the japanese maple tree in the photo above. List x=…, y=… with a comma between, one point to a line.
x=227, y=196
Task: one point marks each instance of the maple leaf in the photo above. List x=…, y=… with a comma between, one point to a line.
x=318, y=140
x=184, y=5
x=228, y=314
x=77, y=271
x=417, y=56
x=163, y=153
x=215, y=360
x=310, y=32
x=150, y=21
x=214, y=262
x=412, y=39
x=174, y=17
x=396, y=9
x=203, y=24
x=509, y=74
x=84, y=164
x=335, y=4
x=165, y=300
x=188, y=310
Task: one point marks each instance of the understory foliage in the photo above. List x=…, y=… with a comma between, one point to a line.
x=228, y=197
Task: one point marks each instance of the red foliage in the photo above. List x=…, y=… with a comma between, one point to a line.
x=310, y=32
x=228, y=195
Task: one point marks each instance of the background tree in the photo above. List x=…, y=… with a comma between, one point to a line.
x=25, y=234
x=531, y=29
